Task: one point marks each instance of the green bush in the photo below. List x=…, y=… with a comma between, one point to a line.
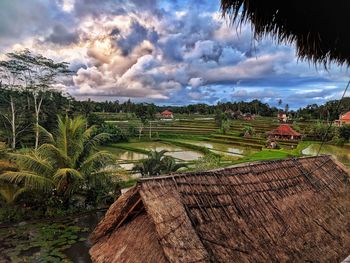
x=116, y=134
x=207, y=162
x=344, y=132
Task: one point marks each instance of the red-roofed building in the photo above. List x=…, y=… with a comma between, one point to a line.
x=343, y=119
x=167, y=114
x=284, y=132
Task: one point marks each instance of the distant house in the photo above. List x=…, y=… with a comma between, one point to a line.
x=234, y=114
x=291, y=210
x=284, y=132
x=248, y=117
x=343, y=119
x=282, y=117
x=167, y=114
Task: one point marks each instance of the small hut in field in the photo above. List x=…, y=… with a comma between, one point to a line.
x=291, y=210
x=284, y=132
x=167, y=114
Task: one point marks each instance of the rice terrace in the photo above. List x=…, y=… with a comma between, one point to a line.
x=174, y=131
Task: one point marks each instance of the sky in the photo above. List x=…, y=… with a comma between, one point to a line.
x=167, y=52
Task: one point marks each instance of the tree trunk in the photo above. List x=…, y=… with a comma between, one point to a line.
x=140, y=131
x=13, y=123
x=37, y=107
x=150, y=130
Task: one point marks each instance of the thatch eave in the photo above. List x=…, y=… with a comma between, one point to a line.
x=319, y=29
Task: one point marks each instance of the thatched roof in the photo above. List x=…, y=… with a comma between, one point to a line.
x=318, y=28
x=289, y=210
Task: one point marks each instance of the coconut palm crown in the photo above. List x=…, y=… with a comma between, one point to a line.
x=158, y=163
x=67, y=161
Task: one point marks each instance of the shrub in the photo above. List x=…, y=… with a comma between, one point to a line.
x=116, y=134
x=344, y=132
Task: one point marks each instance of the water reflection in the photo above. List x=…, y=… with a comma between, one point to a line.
x=79, y=252
x=225, y=149
x=342, y=154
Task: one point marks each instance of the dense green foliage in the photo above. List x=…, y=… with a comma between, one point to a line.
x=328, y=111
x=67, y=171
x=157, y=163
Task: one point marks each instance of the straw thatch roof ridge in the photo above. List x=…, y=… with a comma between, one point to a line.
x=212, y=171
x=287, y=210
x=317, y=28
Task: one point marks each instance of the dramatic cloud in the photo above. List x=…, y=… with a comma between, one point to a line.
x=168, y=52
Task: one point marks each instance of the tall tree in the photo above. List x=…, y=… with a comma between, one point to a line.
x=39, y=75
x=11, y=80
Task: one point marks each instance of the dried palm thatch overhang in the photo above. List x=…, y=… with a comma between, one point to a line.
x=288, y=210
x=318, y=28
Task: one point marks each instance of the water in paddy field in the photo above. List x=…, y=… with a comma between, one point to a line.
x=177, y=152
x=185, y=155
x=225, y=149
x=155, y=146
x=342, y=154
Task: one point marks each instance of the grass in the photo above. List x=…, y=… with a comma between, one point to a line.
x=264, y=155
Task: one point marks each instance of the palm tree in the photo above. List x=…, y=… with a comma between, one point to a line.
x=68, y=162
x=158, y=163
x=286, y=108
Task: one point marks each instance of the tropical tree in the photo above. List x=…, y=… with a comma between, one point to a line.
x=10, y=86
x=248, y=131
x=225, y=126
x=286, y=108
x=68, y=163
x=158, y=163
x=38, y=75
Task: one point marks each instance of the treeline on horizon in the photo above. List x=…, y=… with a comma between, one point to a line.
x=327, y=111
x=58, y=103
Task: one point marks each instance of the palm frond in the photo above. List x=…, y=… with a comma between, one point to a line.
x=89, y=132
x=28, y=180
x=47, y=136
x=10, y=192
x=96, y=161
x=92, y=142
x=33, y=162
x=62, y=135
x=66, y=178
x=55, y=154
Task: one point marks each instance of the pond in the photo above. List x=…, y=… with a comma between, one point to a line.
x=49, y=241
x=225, y=149
x=128, y=158
x=154, y=146
x=124, y=155
x=342, y=154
